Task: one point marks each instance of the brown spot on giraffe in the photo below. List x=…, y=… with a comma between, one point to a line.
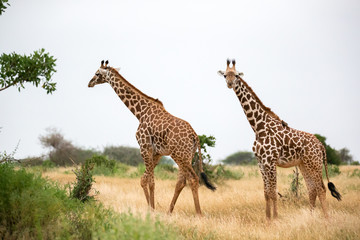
x=157, y=135
x=276, y=144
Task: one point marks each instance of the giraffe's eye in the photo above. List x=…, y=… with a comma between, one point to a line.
x=224, y=76
x=97, y=74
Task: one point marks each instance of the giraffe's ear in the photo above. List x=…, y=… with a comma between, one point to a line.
x=221, y=73
x=102, y=71
x=239, y=74
x=117, y=69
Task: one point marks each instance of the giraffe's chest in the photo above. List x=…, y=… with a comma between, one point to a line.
x=154, y=135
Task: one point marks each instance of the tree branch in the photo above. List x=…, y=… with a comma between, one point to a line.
x=7, y=86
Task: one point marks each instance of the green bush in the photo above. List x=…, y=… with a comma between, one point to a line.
x=221, y=173
x=84, y=181
x=29, y=205
x=35, y=208
x=48, y=164
x=103, y=165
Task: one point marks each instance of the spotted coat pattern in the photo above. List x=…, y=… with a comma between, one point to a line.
x=159, y=133
x=277, y=144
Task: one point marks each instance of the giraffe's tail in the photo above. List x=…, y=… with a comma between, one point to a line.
x=331, y=186
x=202, y=173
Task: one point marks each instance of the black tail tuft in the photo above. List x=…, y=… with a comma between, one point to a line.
x=206, y=181
x=333, y=191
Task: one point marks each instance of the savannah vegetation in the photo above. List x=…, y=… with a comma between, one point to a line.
x=76, y=193
x=101, y=197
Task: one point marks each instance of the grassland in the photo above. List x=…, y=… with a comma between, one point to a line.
x=237, y=209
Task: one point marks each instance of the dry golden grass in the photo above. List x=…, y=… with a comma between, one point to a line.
x=237, y=209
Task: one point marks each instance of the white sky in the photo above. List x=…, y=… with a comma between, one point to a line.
x=301, y=58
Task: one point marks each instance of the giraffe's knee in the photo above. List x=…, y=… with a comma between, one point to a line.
x=194, y=182
x=270, y=194
x=144, y=181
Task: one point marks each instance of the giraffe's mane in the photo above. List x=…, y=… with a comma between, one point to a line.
x=267, y=109
x=134, y=88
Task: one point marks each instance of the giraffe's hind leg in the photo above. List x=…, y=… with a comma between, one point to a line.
x=194, y=184
x=187, y=173
x=310, y=184
x=321, y=192
x=315, y=186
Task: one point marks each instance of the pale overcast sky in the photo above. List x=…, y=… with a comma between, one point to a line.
x=301, y=58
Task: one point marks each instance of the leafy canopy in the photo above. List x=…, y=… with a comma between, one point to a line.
x=38, y=68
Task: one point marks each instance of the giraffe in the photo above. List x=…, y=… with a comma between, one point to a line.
x=159, y=133
x=277, y=144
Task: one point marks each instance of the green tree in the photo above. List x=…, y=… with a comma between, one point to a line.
x=38, y=68
x=3, y=5
x=240, y=158
x=332, y=155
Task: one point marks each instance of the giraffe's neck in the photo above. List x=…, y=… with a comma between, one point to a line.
x=256, y=112
x=136, y=101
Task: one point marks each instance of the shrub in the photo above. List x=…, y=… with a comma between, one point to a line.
x=29, y=205
x=103, y=165
x=222, y=173
x=48, y=164
x=83, y=183
x=333, y=170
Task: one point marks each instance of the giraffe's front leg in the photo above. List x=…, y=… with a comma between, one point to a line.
x=181, y=183
x=268, y=172
x=144, y=185
x=155, y=160
x=147, y=180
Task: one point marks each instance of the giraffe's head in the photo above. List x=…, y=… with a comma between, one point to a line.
x=230, y=74
x=102, y=75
